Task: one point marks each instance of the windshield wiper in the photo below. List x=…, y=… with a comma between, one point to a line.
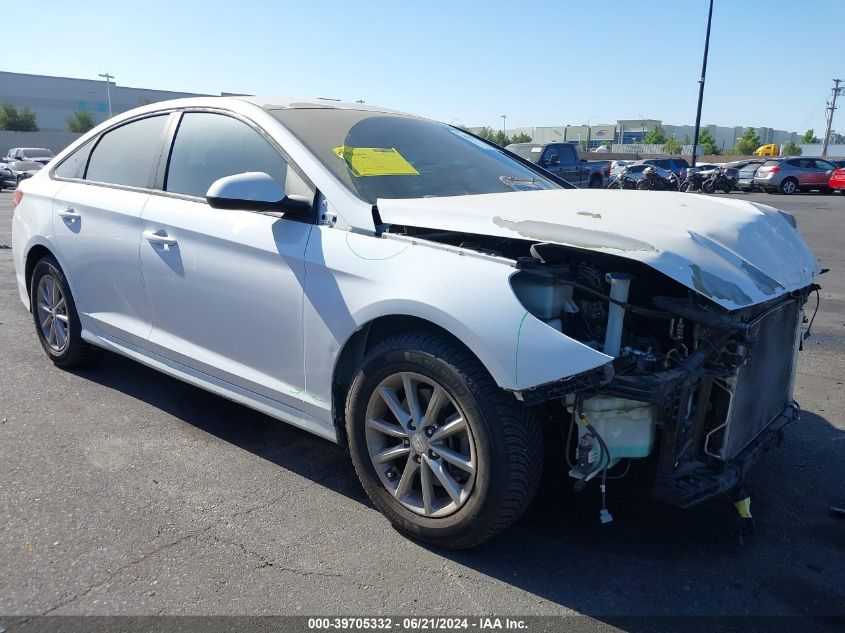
x=520, y=184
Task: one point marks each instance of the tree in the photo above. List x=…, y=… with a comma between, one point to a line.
x=809, y=138
x=80, y=122
x=15, y=120
x=791, y=149
x=522, y=137
x=655, y=137
x=486, y=133
x=707, y=142
x=748, y=143
x=501, y=139
x=672, y=146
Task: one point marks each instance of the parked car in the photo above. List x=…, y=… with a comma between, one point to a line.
x=634, y=171
x=838, y=163
x=422, y=297
x=40, y=155
x=745, y=176
x=771, y=149
x=17, y=170
x=675, y=165
x=789, y=175
x=837, y=179
x=563, y=161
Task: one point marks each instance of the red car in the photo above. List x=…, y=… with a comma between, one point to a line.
x=837, y=179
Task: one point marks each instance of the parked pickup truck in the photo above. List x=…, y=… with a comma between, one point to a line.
x=562, y=160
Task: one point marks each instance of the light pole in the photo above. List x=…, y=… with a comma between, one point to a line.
x=701, y=83
x=108, y=77
x=504, y=127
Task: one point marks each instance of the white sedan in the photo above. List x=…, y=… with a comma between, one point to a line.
x=411, y=291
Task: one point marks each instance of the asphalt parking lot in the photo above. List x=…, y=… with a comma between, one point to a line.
x=124, y=492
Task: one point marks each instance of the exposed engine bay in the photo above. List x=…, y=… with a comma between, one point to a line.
x=700, y=389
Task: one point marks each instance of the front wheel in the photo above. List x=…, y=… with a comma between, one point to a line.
x=441, y=450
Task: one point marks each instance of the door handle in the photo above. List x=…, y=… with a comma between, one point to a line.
x=69, y=214
x=160, y=237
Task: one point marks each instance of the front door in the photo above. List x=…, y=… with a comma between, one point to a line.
x=225, y=287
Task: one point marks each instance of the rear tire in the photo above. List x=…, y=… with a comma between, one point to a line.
x=56, y=320
x=789, y=186
x=500, y=438
x=684, y=187
x=708, y=187
x=595, y=182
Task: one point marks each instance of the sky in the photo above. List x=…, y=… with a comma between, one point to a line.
x=539, y=63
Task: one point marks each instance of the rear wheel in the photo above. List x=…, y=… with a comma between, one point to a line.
x=643, y=185
x=708, y=186
x=441, y=450
x=56, y=320
x=684, y=186
x=595, y=181
x=789, y=186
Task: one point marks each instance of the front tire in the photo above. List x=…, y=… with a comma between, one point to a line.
x=440, y=449
x=56, y=320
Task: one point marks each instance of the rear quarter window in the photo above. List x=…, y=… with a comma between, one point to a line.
x=74, y=165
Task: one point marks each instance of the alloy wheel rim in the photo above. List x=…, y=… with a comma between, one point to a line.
x=789, y=187
x=52, y=313
x=420, y=444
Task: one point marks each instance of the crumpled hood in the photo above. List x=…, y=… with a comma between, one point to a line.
x=734, y=252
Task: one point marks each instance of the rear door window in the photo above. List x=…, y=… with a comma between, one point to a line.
x=823, y=164
x=209, y=146
x=128, y=155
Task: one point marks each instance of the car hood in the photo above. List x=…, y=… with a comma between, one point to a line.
x=734, y=252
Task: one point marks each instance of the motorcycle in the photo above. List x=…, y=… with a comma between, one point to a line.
x=653, y=181
x=718, y=180
x=693, y=182
x=622, y=180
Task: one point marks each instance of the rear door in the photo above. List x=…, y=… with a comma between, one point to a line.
x=225, y=287
x=825, y=171
x=97, y=225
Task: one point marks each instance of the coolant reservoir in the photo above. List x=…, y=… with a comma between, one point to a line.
x=544, y=296
x=626, y=426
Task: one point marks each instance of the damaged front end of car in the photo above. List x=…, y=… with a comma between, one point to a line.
x=698, y=306
x=703, y=389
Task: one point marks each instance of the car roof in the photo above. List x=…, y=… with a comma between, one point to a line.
x=311, y=103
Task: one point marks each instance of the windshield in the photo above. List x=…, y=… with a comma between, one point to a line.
x=528, y=151
x=380, y=155
x=37, y=153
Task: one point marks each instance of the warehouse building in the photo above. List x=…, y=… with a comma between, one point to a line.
x=54, y=99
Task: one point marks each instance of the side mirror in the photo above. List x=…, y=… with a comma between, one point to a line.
x=253, y=191
x=544, y=162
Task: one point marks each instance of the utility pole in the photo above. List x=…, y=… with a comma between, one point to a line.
x=701, y=83
x=504, y=127
x=108, y=77
x=830, y=108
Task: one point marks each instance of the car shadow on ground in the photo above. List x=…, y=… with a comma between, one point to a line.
x=651, y=559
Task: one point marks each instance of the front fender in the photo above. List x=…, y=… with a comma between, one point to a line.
x=353, y=279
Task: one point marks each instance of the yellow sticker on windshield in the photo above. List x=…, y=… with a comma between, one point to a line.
x=375, y=161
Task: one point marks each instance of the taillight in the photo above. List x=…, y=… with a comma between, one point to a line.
x=17, y=197
x=607, y=171
x=774, y=170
